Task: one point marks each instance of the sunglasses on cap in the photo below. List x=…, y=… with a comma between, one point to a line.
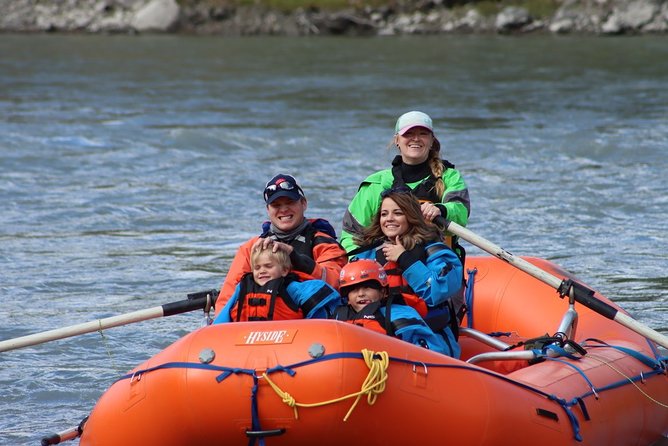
x=396, y=190
x=285, y=185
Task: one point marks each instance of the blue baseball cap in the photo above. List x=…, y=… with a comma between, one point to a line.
x=282, y=185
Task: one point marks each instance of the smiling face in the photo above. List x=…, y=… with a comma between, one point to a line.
x=361, y=295
x=415, y=144
x=266, y=267
x=286, y=214
x=393, y=221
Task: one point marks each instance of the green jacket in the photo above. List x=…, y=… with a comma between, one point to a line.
x=455, y=203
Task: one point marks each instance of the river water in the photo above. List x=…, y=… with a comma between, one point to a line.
x=132, y=167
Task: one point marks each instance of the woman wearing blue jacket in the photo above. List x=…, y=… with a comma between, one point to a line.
x=423, y=272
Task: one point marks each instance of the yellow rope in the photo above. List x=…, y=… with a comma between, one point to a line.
x=373, y=385
x=649, y=397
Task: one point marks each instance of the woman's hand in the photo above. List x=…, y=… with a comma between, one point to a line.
x=430, y=211
x=392, y=251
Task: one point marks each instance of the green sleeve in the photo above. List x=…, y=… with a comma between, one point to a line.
x=363, y=207
x=456, y=197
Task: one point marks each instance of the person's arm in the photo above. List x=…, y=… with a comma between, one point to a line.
x=329, y=258
x=224, y=314
x=455, y=204
x=240, y=266
x=317, y=299
x=410, y=327
x=361, y=210
x=436, y=280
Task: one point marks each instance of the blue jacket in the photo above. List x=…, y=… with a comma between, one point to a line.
x=405, y=324
x=434, y=273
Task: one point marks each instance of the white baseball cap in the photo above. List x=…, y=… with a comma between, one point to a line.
x=413, y=119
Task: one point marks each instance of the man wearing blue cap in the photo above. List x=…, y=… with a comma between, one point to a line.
x=310, y=243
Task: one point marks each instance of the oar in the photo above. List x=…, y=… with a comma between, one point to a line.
x=66, y=435
x=580, y=292
x=195, y=301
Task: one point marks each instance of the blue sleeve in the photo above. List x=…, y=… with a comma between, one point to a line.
x=418, y=332
x=317, y=294
x=437, y=280
x=224, y=315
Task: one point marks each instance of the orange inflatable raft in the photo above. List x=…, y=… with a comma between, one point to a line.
x=330, y=383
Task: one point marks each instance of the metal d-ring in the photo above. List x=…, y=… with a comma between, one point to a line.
x=138, y=374
x=426, y=372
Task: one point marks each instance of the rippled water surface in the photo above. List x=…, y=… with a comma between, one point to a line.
x=132, y=167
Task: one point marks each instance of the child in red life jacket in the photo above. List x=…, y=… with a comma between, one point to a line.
x=271, y=292
x=364, y=284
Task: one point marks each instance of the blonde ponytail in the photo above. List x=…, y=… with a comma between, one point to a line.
x=436, y=167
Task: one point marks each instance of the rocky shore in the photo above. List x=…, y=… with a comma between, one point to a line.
x=599, y=17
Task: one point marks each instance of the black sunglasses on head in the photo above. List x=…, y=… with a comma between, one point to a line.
x=283, y=185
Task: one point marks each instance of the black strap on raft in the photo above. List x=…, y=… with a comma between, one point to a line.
x=542, y=342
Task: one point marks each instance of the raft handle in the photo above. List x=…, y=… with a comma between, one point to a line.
x=265, y=433
x=426, y=372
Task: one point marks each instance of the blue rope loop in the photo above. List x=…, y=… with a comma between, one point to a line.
x=468, y=296
x=280, y=368
x=575, y=424
x=654, y=364
x=234, y=371
x=255, y=413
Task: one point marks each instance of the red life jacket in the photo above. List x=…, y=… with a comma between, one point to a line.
x=268, y=302
x=368, y=317
x=402, y=291
x=399, y=287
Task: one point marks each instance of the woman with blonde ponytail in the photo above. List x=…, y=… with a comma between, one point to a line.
x=434, y=181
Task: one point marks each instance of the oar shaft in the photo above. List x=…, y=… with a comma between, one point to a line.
x=581, y=296
x=86, y=327
x=102, y=324
x=66, y=435
x=641, y=329
x=504, y=255
x=60, y=437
